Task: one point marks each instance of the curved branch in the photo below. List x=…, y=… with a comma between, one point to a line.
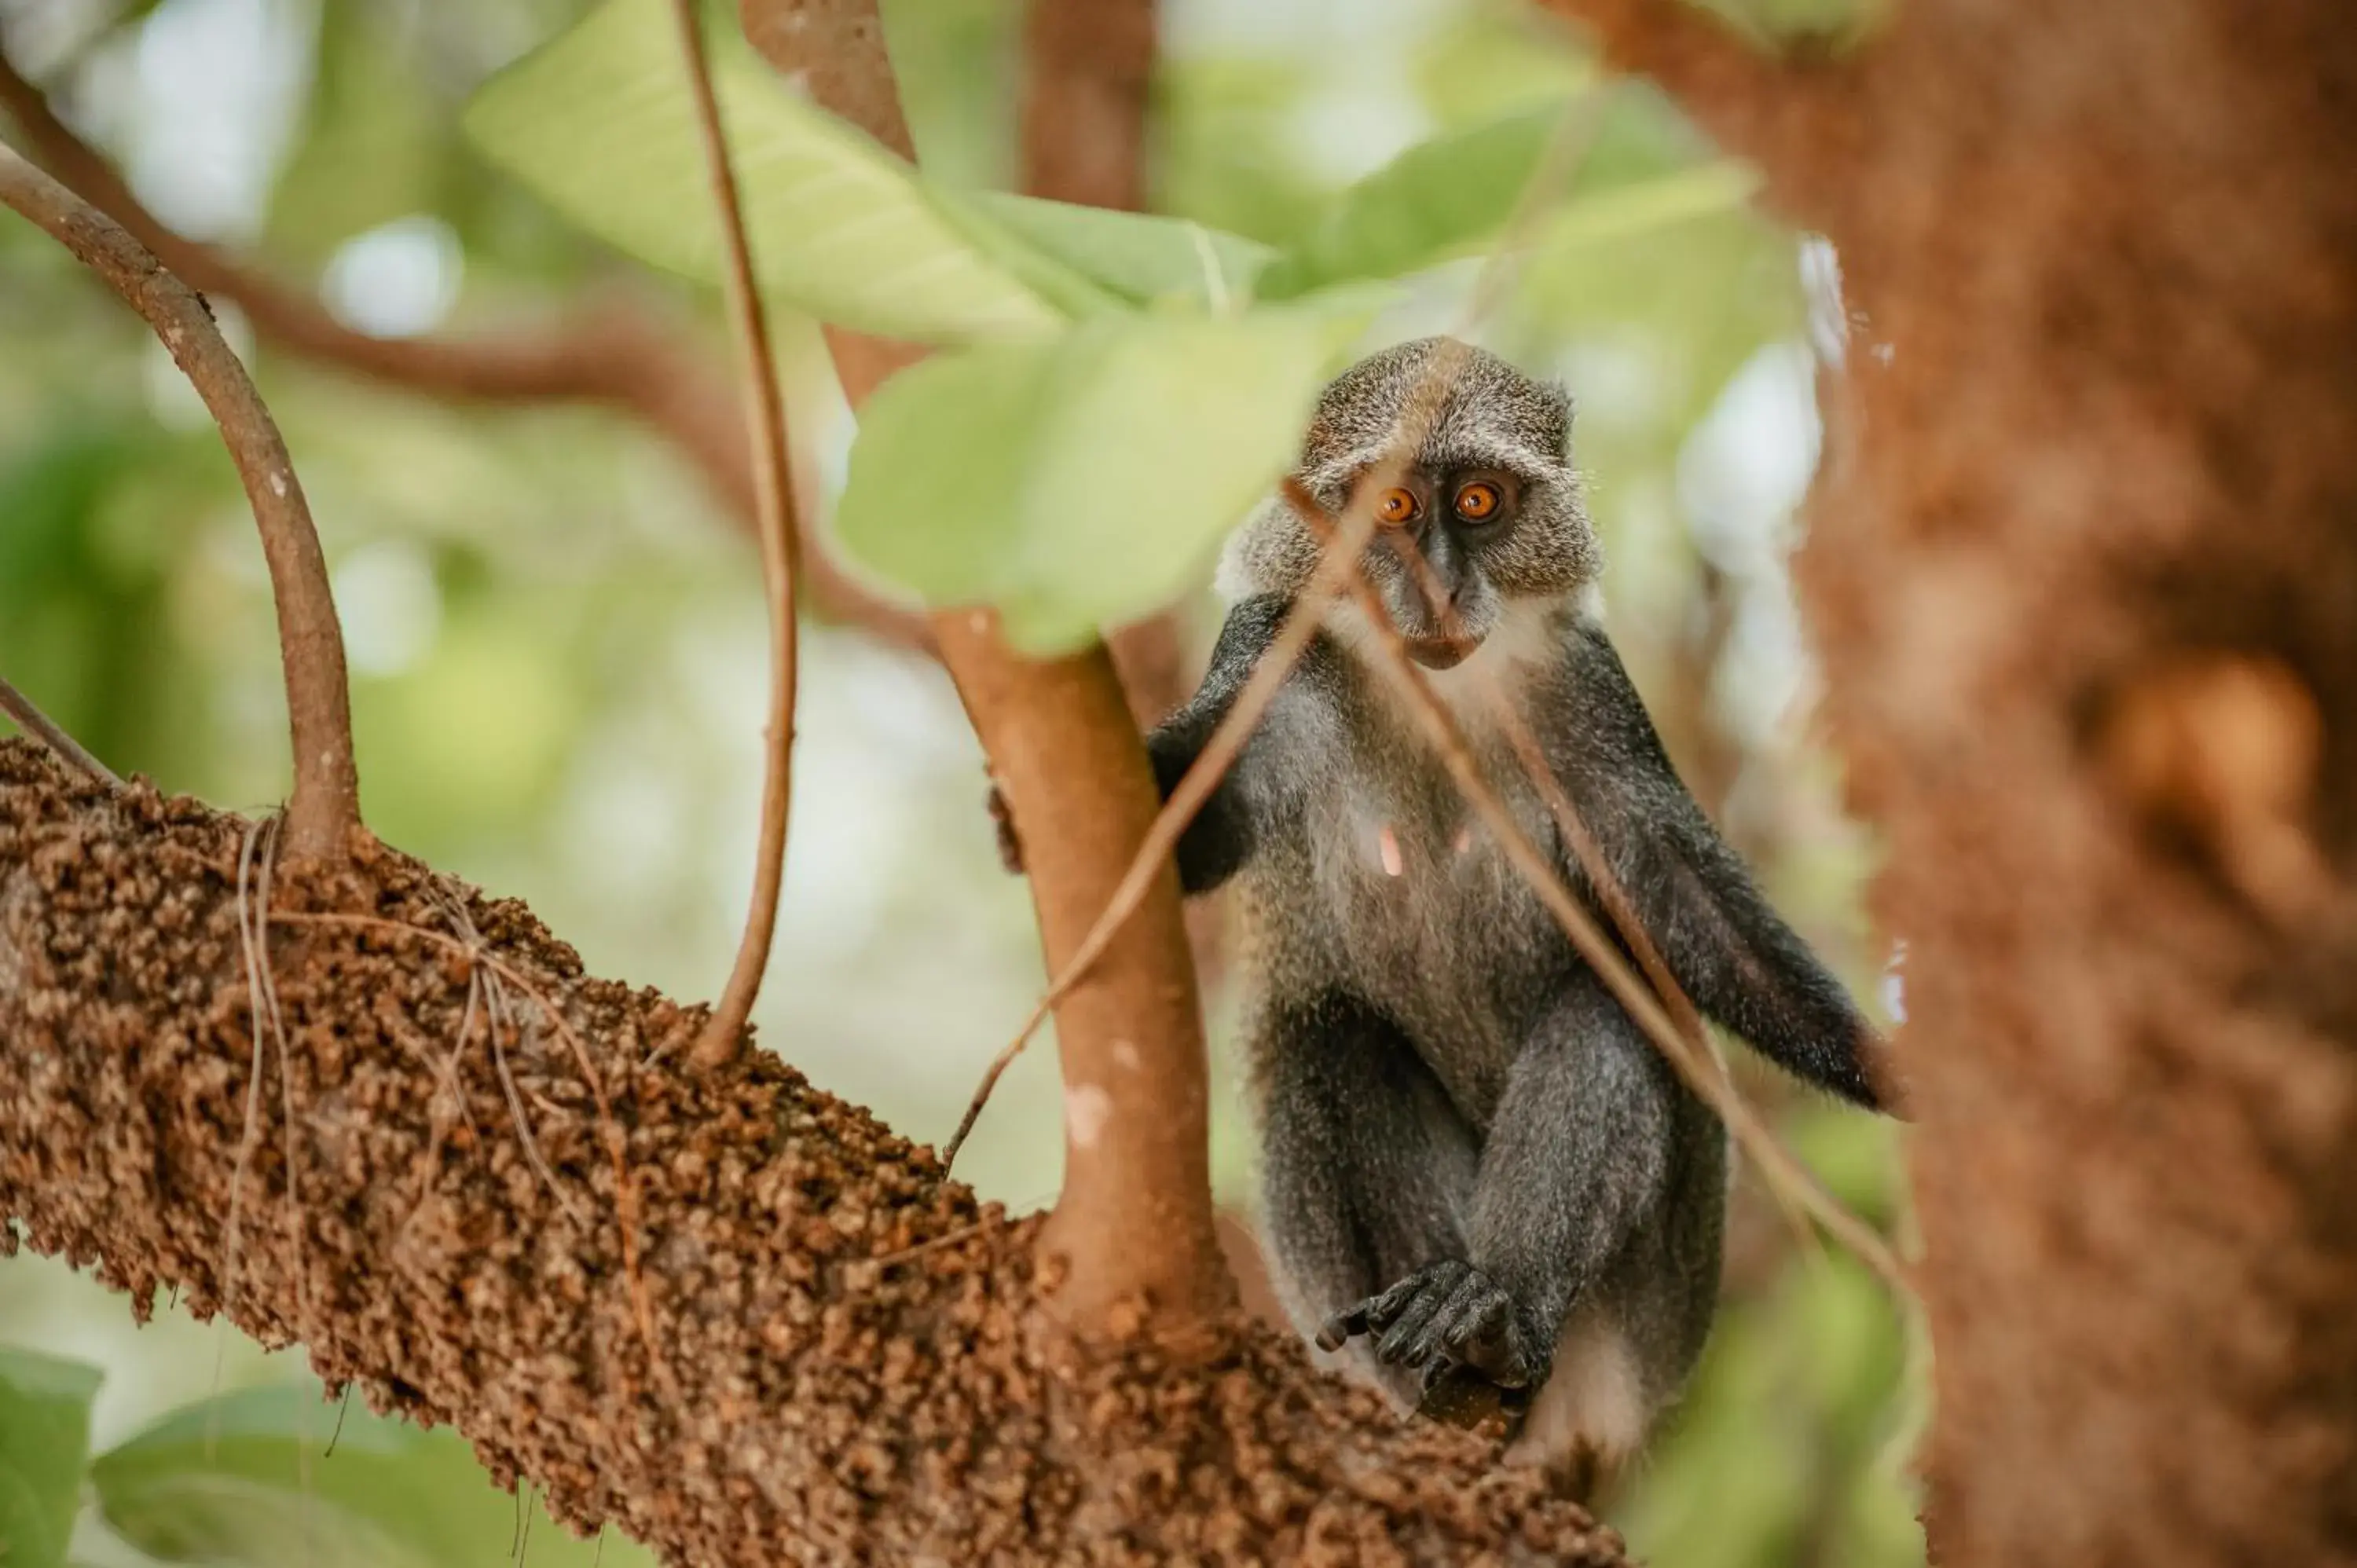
x=325, y=813
x=608, y=351
x=779, y=567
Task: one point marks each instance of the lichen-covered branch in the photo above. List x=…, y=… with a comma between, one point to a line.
x=846, y=1364
x=325, y=814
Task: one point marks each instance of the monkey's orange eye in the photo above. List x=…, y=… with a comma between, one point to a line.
x=1396, y=507
x=1478, y=501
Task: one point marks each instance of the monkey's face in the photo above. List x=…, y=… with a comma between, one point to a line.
x=1455, y=541
x=1466, y=463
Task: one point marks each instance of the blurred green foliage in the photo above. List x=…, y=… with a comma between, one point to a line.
x=44, y=1430
x=557, y=639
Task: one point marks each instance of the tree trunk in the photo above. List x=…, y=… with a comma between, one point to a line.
x=2087, y=591
x=2083, y=569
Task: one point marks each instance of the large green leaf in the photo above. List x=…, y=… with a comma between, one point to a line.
x=1436, y=200
x=44, y=1435
x=1624, y=211
x=1081, y=483
x=245, y=1478
x=599, y=123
x=1139, y=257
x=1445, y=197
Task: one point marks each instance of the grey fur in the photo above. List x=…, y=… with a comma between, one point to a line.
x=1472, y=1157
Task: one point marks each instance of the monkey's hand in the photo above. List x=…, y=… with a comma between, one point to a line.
x=1010, y=847
x=1446, y=1317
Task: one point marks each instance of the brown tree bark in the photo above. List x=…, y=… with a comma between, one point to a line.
x=2085, y=580
x=724, y=1310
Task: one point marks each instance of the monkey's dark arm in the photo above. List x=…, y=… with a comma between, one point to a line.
x=1221, y=838
x=1585, y=1142
x=1737, y=959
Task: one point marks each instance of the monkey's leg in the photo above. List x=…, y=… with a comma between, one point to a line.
x=1616, y=1258
x=1368, y=1168
x=1577, y=1160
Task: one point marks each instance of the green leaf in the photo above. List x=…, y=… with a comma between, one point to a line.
x=1444, y=198
x=1623, y=212
x=1139, y=257
x=1435, y=202
x=374, y=141
x=245, y=1478
x=599, y=124
x=1082, y=482
x=44, y=1435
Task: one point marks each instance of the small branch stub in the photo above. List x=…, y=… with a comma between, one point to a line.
x=41, y=727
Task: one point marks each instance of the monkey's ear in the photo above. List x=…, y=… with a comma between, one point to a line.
x=1560, y=410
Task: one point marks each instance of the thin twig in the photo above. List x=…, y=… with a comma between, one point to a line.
x=41, y=727
x=1303, y=621
x=498, y=1018
x=326, y=811
x=724, y=1031
x=261, y=965
x=499, y=1023
x=249, y=1129
x=991, y=1217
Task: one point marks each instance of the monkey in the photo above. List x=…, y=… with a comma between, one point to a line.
x=1476, y=1170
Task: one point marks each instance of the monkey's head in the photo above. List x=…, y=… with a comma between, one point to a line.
x=1484, y=514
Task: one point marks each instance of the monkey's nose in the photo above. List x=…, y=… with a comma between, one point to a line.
x=1443, y=573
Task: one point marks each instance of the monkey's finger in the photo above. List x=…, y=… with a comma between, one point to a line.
x=1384, y=1309
x=1340, y=1328
x=1496, y=1348
x=1469, y=1306
x=1410, y=1339
x=1435, y=1289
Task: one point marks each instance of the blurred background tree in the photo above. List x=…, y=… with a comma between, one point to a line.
x=556, y=633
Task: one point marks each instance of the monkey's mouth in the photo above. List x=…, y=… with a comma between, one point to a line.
x=1441, y=653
